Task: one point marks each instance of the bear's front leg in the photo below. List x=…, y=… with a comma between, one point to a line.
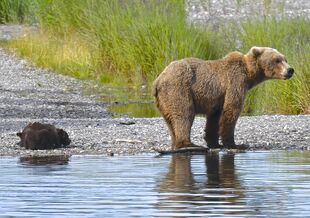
x=227, y=129
x=227, y=133
x=212, y=130
x=228, y=120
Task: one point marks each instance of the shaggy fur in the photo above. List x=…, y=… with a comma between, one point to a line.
x=42, y=136
x=216, y=88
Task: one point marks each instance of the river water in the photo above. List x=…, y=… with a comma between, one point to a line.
x=262, y=184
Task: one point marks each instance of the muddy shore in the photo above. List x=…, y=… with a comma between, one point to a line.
x=29, y=94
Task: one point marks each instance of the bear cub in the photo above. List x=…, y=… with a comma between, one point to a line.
x=43, y=136
x=215, y=88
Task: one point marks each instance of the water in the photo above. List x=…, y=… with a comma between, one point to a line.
x=262, y=184
x=136, y=109
x=134, y=102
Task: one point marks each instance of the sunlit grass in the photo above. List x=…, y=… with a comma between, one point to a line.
x=67, y=55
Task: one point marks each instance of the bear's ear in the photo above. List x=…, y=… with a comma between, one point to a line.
x=19, y=134
x=256, y=51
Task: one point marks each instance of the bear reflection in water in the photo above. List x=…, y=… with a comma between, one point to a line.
x=219, y=187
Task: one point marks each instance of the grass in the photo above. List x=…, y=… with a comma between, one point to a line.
x=16, y=11
x=68, y=55
x=128, y=43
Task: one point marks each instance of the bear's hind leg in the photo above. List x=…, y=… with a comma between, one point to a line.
x=182, y=129
x=171, y=131
x=177, y=108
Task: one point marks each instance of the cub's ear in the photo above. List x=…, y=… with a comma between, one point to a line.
x=256, y=51
x=61, y=132
x=19, y=134
x=63, y=136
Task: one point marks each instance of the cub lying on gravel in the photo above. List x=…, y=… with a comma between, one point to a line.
x=42, y=136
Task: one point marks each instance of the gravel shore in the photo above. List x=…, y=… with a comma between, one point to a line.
x=29, y=94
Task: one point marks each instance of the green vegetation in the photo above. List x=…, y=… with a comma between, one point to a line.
x=113, y=41
x=128, y=43
x=16, y=11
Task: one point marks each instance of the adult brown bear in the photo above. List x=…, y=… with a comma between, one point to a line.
x=42, y=136
x=216, y=88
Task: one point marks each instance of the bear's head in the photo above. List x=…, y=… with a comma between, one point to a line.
x=63, y=137
x=269, y=62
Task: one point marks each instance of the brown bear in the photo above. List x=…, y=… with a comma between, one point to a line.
x=42, y=136
x=216, y=88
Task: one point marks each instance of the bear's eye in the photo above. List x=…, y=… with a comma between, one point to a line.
x=278, y=60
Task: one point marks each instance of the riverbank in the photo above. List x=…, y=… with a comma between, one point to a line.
x=29, y=94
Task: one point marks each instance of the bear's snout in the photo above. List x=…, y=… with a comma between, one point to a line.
x=289, y=73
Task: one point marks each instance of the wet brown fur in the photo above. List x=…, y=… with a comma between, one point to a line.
x=216, y=88
x=42, y=136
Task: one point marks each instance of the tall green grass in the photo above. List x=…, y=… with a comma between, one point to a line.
x=129, y=43
x=136, y=39
x=15, y=11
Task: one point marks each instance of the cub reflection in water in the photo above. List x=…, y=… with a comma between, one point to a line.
x=45, y=159
x=188, y=188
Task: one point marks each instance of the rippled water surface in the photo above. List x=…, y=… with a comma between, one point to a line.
x=264, y=184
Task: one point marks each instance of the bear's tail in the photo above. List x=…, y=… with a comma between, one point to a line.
x=155, y=90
